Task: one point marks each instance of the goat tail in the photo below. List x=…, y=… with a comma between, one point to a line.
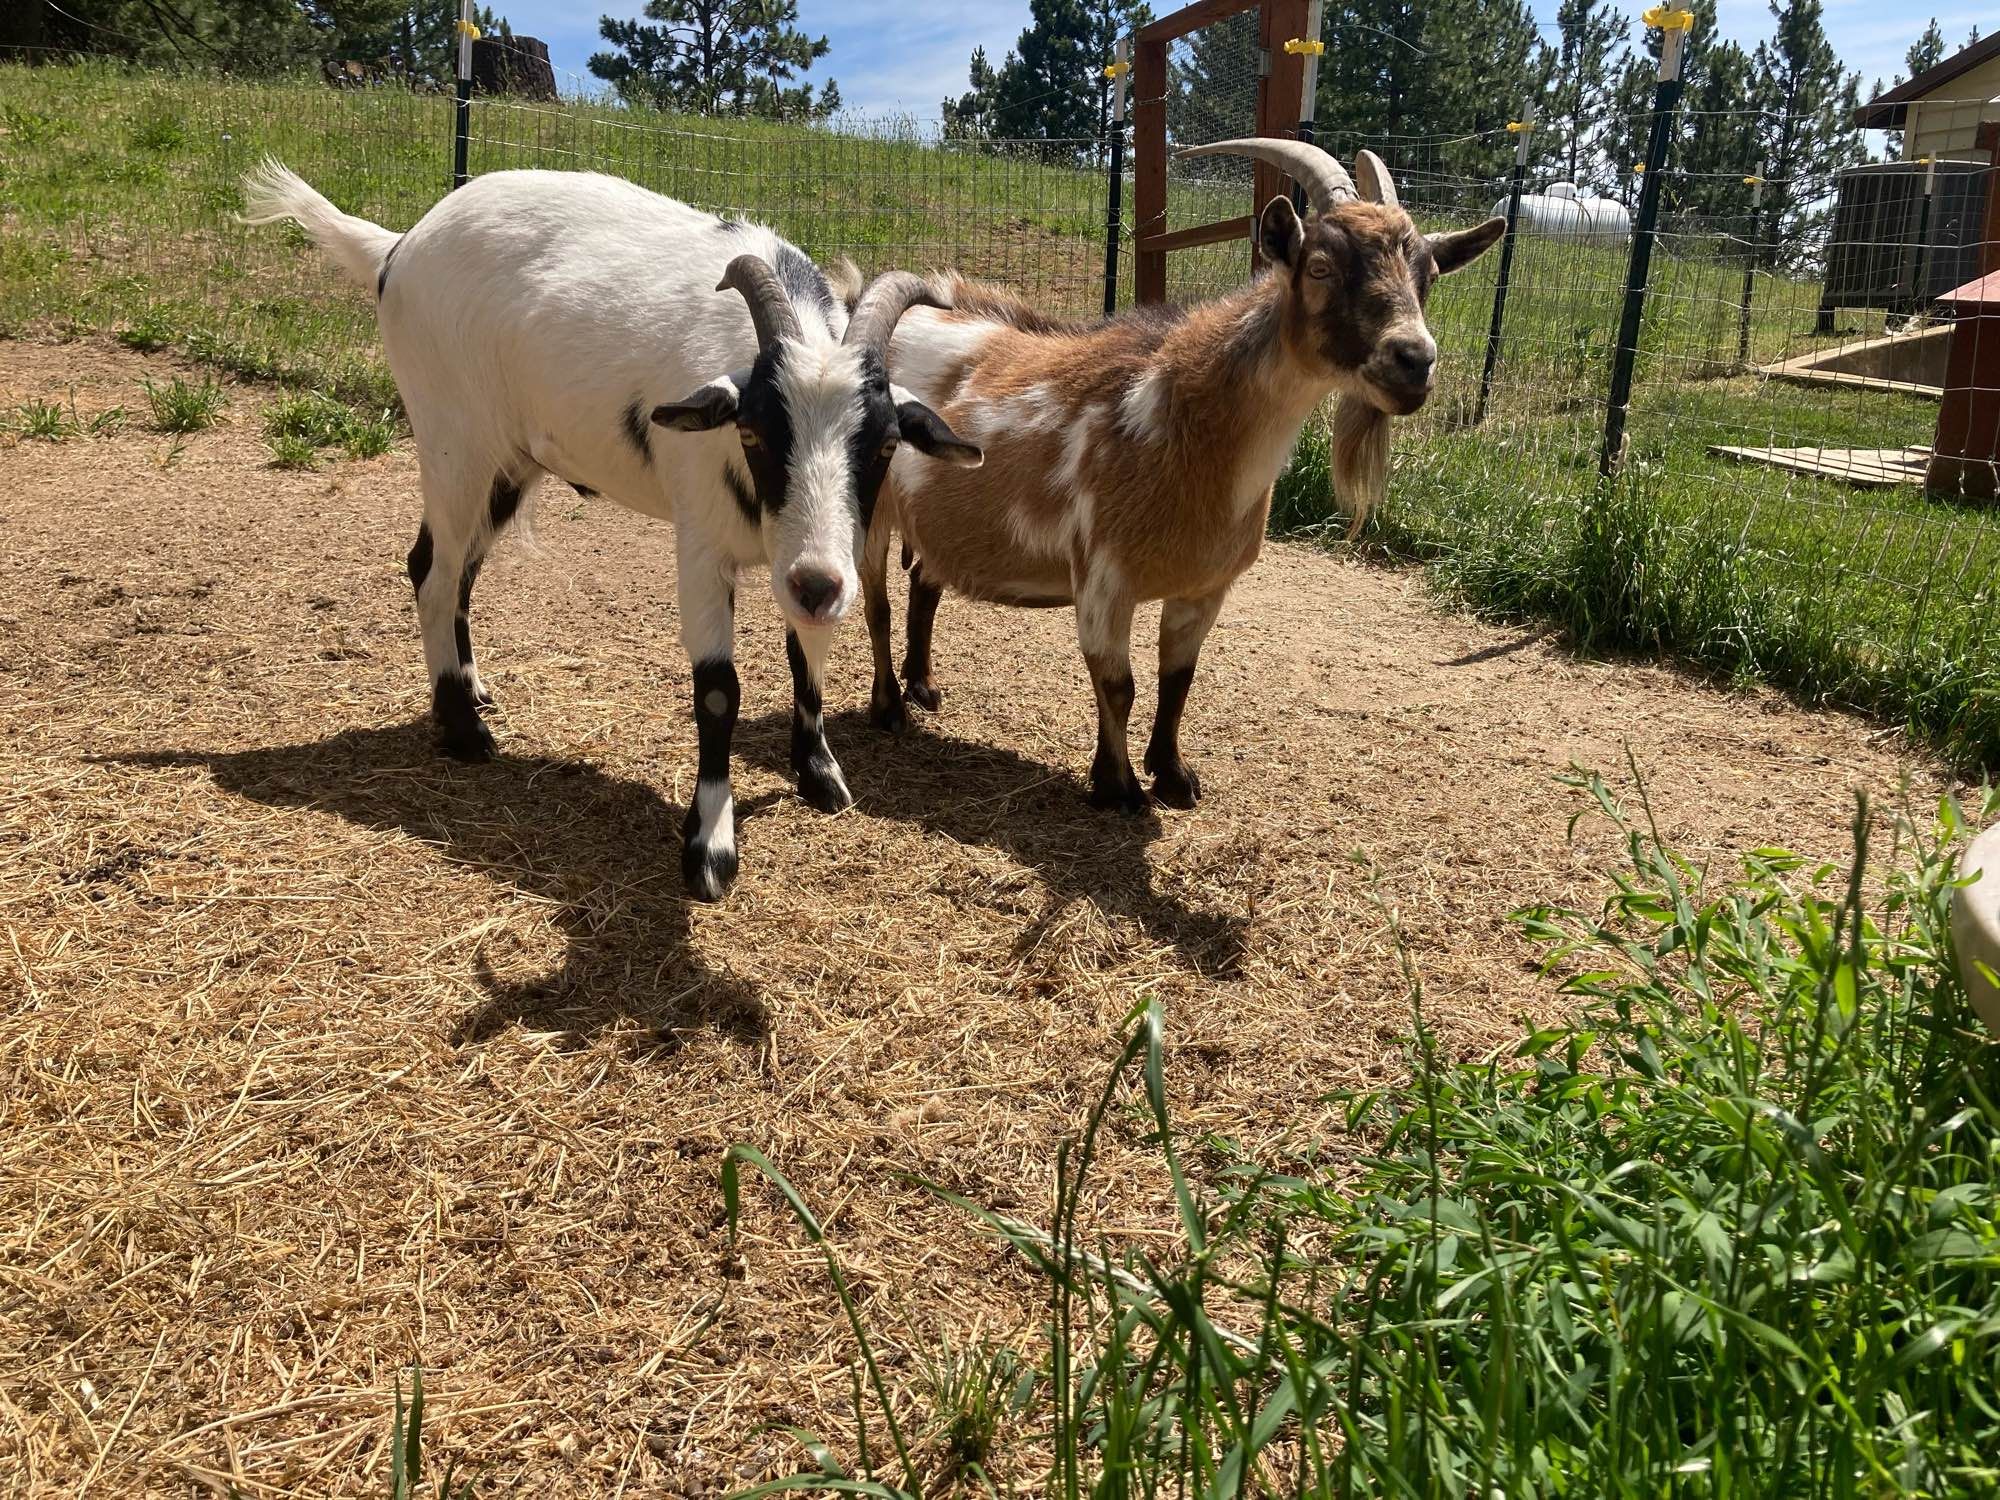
x=1360, y=459
x=272, y=191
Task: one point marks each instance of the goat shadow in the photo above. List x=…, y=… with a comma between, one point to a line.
x=1035, y=813
x=603, y=852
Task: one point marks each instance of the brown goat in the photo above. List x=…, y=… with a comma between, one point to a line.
x=1133, y=459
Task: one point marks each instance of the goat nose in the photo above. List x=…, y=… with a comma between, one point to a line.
x=816, y=592
x=1413, y=358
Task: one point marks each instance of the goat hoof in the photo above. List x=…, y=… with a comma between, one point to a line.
x=821, y=784
x=1118, y=795
x=462, y=734
x=887, y=713
x=708, y=872
x=708, y=865
x=1177, y=787
x=923, y=692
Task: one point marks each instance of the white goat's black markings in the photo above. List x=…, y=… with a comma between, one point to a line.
x=802, y=280
x=708, y=834
x=738, y=484
x=382, y=276
x=762, y=412
x=820, y=780
x=638, y=428
x=418, y=563
x=461, y=732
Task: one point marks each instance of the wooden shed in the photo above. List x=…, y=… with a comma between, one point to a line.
x=1965, y=456
x=1941, y=109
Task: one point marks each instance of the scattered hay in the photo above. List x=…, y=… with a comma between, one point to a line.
x=322, y=1055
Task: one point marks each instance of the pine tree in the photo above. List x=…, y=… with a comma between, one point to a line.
x=1052, y=87
x=1809, y=132
x=971, y=113
x=1583, y=93
x=715, y=57
x=419, y=42
x=1405, y=77
x=1925, y=53
x=242, y=36
x=1928, y=50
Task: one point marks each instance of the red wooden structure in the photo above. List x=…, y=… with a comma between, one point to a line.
x=1280, y=92
x=1965, y=455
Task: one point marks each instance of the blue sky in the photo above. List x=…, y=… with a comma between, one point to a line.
x=892, y=56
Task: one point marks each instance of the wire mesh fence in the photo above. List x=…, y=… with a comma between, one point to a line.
x=1789, y=382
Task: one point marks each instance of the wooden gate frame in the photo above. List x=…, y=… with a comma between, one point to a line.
x=1280, y=95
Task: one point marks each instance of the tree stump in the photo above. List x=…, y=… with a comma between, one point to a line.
x=516, y=65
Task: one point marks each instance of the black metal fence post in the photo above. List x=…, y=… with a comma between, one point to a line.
x=461, y=117
x=1751, y=249
x=1114, y=211
x=1524, y=129
x=1666, y=99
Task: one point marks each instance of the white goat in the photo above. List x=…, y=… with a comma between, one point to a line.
x=545, y=323
x=1134, y=457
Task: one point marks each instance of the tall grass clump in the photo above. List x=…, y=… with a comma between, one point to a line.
x=185, y=406
x=1733, y=1228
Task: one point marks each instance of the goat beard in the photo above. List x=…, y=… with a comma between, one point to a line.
x=1360, y=437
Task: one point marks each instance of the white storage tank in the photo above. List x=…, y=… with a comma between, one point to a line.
x=1560, y=212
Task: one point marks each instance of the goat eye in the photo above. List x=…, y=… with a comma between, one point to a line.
x=749, y=438
x=889, y=448
x=1319, y=268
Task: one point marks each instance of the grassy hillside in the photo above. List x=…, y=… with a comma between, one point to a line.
x=116, y=187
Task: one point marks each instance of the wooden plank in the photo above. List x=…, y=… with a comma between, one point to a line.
x=1237, y=228
x=1867, y=468
x=1149, y=168
x=1280, y=98
x=1193, y=17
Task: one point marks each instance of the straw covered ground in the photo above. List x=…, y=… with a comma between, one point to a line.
x=320, y=1055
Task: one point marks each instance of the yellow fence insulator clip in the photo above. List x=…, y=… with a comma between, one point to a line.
x=1666, y=18
x=1305, y=46
x=467, y=29
x=1752, y=181
x=1639, y=167
x=1515, y=127
x=1117, y=68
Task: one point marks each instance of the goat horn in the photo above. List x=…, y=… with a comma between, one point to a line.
x=1377, y=186
x=883, y=301
x=770, y=309
x=1325, y=180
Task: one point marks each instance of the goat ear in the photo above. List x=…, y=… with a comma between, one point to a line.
x=925, y=430
x=704, y=411
x=1463, y=246
x=1279, y=233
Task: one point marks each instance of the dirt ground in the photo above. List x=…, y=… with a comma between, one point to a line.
x=322, y=1055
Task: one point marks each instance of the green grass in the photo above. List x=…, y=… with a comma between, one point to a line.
x=297, y=427
x=184, y=406
x=43, y=421
x=117, y=189
x=1732, y=1229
